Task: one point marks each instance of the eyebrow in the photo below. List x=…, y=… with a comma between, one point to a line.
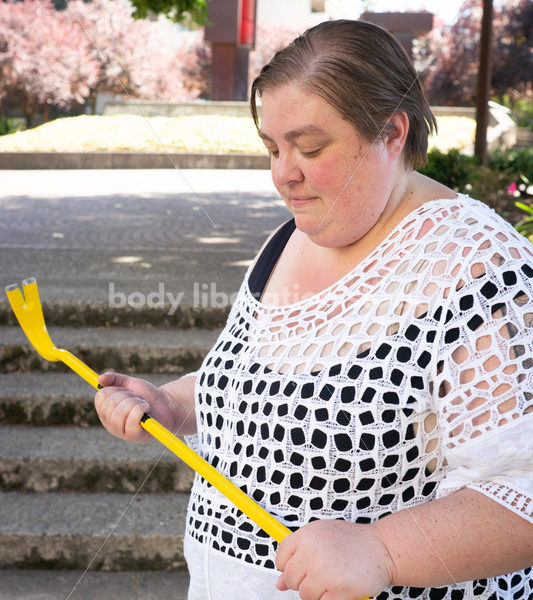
x=296, y=133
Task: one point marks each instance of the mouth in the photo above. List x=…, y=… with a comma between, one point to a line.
x=300, y=201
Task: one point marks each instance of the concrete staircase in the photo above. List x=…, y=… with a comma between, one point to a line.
x=82, y=514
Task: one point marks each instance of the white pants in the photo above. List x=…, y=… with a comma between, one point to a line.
x=216, y=576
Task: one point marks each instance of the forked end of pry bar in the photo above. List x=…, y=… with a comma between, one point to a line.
x=14, y=286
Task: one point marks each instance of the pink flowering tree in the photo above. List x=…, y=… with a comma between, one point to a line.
x=140, y=58
x=195, y=60
x=65, y=57
x=43, y=61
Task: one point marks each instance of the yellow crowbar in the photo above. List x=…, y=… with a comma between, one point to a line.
x=29, y=313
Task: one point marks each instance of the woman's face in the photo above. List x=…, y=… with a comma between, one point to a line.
x=335, y=183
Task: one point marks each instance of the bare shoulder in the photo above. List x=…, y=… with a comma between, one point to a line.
x=428, y=189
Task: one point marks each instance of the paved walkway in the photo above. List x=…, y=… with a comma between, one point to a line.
x=109, y=235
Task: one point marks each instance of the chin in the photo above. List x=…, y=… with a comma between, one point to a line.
x=307, y=224
x=318, y=233
x=323, y=235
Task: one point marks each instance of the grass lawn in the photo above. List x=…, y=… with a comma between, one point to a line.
x=202, y=133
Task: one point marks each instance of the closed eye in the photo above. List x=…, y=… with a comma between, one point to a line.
x=311, y=153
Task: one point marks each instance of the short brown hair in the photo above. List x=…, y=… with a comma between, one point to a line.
x=363, y=72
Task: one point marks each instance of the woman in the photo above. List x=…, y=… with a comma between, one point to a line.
x=372, y=387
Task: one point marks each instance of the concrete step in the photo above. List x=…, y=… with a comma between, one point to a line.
x=100, y=314
x=126, y=350
x=108, y=532
x=47, y=459
x=75, y=585
x=52, y=398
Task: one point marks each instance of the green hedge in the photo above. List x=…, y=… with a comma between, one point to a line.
x=490, y=184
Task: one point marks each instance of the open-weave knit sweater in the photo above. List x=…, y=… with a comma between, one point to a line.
x=407, y=379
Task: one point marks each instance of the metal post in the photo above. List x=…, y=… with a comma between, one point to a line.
x=483, y=83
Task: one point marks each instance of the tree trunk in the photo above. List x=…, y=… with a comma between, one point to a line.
x=483, y=88
x=28, y=115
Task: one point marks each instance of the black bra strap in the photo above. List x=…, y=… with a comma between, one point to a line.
x=268, y=258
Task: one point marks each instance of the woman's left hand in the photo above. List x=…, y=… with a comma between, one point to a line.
x=334, y=560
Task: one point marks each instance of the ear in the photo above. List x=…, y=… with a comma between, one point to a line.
x=396, y=131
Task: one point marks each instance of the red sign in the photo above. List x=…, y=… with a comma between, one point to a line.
x=247, y=23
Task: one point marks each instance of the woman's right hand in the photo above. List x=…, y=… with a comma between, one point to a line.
x=122, y=402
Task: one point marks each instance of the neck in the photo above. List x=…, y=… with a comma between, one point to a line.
x=402, y=200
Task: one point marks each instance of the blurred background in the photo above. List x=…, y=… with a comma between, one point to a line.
x=174, y=76
x=62, y=57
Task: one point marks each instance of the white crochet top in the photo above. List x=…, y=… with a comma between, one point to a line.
x=407, y=379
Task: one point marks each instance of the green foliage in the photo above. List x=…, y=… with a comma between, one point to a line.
x=450, y=168
x=517, y=162
x=499, y=184
x=525, y=225
x=177, y=10
x=9, y=125
x=522, y=108
x=492, y=187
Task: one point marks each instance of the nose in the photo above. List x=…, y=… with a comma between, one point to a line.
x=285, y=169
